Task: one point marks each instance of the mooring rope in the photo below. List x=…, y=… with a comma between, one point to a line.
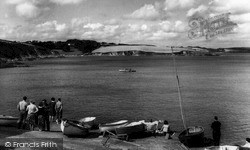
x=179, y=89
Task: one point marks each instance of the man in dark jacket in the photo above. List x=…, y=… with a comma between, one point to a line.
x=46, y=115
x=216, y=131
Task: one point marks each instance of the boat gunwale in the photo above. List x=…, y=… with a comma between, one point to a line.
x=117, y=123
x=71, y=123
x=86, y=121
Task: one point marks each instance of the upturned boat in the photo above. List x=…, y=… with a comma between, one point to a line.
x=8, y=120
x=73, y=128
x=131, y=128
x=112, y=126
x=192, y=136
x=90, y=121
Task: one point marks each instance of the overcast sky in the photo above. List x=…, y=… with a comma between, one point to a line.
x=161, y=22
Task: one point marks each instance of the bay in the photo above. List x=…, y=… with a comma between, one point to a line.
x=93, y=86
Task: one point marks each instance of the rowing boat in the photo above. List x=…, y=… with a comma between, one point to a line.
x=131, y=128
x=127, y=70
x=8, y=120
x=192, y=136
x=88, y=121
x=112, y=126
x=73, y=128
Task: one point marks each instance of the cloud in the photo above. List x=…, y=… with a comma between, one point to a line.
x=27, y=10
x=147, y=12
x=173, y=4
x=93, y=26
x=50, y=27
x=33, y=9
x=241, y=18
x=161, y=10
x=233, y=6
x=64, y=2
x=79, y=22
x=15, y=1
x=177, y=26
x=200, y=10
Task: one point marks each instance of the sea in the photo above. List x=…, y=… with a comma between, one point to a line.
x=93, y=86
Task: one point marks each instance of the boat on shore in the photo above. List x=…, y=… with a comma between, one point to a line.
x=90, y=121
x=127, y=70
x=224, y=147
x=192, y=136
x=8, y=120
x=73, y=128
x=150, y=126
x=112, y=126
x=131, y=128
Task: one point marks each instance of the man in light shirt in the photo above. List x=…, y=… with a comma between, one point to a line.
x=32, y=110
x=58, y=108
x=21, y=107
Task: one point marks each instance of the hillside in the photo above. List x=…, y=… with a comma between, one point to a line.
x=18, y=50
x=238, y=50
x=11, y=50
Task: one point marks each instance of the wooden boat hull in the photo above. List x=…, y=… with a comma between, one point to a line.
x=224, y=147
x=131, y=129
x=192, y=139
x=90, y=121
x=112, y=126
x=71, y=128
x=8, y=120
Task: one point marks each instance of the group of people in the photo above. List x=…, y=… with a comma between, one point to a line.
x=39, y=116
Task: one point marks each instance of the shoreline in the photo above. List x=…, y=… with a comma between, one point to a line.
x=94, y=141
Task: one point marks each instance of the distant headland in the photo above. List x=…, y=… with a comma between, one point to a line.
x=11, y=52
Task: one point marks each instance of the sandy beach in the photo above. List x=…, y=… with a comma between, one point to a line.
x=94, y=141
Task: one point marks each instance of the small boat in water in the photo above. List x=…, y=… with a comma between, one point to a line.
x=88, y=121
x=8, y=120
x=192, y=136
x=73, y=128
x=131, y=128
x=112, y=126
x=224, y=147
x=127, y=70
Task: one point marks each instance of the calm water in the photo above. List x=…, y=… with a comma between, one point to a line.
x=93, y=86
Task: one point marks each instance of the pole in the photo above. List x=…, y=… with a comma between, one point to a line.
x=179, y=89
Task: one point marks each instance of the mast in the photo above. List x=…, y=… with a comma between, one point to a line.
x=179, y=89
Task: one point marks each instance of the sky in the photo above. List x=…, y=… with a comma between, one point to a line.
x=159, y=22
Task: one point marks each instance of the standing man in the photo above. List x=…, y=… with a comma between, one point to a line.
x=21, y=107
x=216, y=131
x=58, y=108
x=46, y=122
x=32, y=110
x=52, y=110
